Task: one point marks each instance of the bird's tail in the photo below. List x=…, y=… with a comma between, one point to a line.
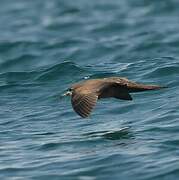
x=141, y=87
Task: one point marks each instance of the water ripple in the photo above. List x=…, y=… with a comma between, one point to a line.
x=45, y=46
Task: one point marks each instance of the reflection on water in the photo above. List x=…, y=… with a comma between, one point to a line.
x=123, y=133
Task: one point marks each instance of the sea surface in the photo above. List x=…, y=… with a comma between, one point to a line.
x=47, y=45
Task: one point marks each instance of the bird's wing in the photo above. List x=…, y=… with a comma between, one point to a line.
x=83, y=102
x=120, y=90
x=134, y=86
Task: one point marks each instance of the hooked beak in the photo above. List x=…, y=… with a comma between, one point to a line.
x=68, y=93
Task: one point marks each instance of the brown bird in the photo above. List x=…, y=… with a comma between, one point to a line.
x=84, y=95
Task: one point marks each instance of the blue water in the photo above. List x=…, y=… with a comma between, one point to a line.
x=47, y=45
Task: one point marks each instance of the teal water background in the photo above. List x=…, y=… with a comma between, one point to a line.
x=45, y=46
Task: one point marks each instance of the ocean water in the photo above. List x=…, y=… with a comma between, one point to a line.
x=47, y=45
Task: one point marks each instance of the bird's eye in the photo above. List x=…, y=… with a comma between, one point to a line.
x=70, y=89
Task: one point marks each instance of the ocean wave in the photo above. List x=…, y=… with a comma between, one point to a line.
x=65, y=70
x=62, y=71
x=10, y=78
x=45, y=46
x=164, y=71
x=23, y=61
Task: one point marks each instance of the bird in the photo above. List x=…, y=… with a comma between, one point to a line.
x=85, y=94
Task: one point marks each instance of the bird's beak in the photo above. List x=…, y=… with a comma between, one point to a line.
x=68, y=93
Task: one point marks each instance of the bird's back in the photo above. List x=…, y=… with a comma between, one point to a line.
x=96, y=83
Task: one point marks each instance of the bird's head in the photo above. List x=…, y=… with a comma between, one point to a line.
x=68, y=92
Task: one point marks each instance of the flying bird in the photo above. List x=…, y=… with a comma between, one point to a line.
x=84, y=95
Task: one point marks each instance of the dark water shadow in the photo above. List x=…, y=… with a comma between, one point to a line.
x=121, y=134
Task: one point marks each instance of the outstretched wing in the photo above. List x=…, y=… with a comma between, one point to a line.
x=116, y=89
x=121, y=92
x=83, y=103
x=132, y=86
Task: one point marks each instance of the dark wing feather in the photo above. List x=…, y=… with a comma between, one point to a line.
x=121, y=92
x=83, y=103
x=115, y=89
x=134, y=86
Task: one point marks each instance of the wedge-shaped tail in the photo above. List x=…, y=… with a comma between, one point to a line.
x=141, y=87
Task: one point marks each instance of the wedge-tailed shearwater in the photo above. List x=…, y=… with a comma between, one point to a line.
x=84, y=95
